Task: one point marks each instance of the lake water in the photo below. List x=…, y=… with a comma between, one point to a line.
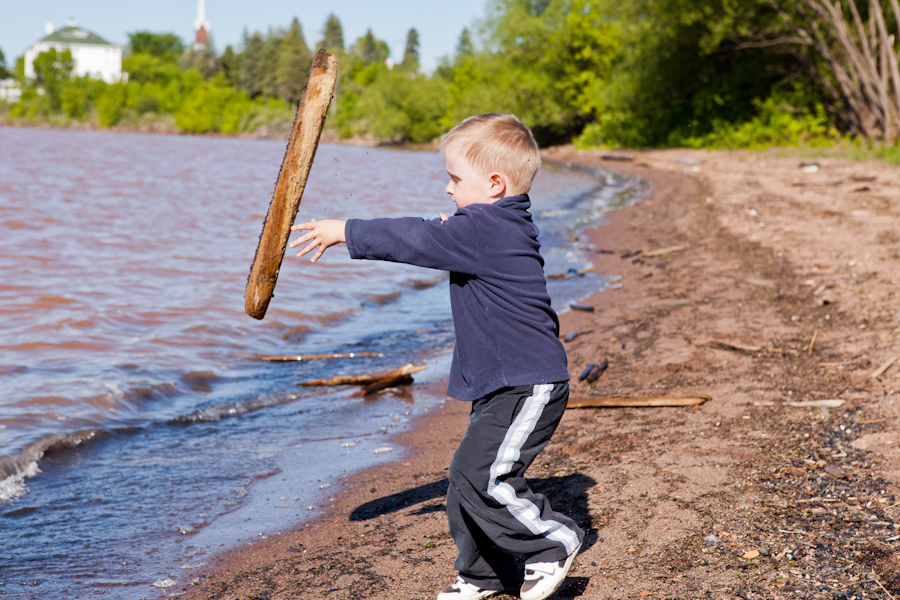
x=138, y=434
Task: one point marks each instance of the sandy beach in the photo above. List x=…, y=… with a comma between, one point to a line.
x=768, y=287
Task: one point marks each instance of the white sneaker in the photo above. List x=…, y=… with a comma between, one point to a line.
x=542, y=579
x=463, y=590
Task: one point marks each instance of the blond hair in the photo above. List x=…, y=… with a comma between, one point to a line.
x=497, y=142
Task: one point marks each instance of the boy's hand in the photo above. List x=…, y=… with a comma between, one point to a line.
x=323, y=234
x=443, y=217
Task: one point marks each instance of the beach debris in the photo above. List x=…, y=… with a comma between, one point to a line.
x=292, y=358
x=863, y=178
x=864, y=188
x=884, y=367
x=593, y=371
x=630, y=254
x=812, y=341
x=810, y=166
x=573, y=272
x=602, y=251
x=383, y=450
x=688, y=161
x=710, y=540
x=725, y=345
x=582, y=307
x=625, y=401
x=832, y=403
x=617, y=157
x=295, y=167
x=574, y=334
x=663, y=251
x=822, y=182
x=370, y=383
x=750, y=554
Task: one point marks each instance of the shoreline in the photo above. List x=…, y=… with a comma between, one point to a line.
x=280, y=133
x=746, y=495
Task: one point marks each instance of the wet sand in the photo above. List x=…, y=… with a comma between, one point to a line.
x=784, y=293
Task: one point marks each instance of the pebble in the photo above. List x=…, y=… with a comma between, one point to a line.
x=711, y=540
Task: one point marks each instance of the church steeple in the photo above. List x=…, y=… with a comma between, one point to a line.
x=201, y=26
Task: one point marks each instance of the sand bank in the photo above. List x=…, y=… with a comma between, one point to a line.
x=781, y=294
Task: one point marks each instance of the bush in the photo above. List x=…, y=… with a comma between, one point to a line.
x=111, y=103
x=781, y=120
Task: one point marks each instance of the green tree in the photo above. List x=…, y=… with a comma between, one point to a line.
x=333, y=35
x=78, y=96
x=411, y=53
x=144, y=68
x=268, y=64
x=685, y=68
x=250, y=78
x=20, y=69
x=111, y=103
x=464, y=47
x=231, y=65
x=52, y=70
x=203, y=60
x=371, y=50
x=392, y=106
x=542, y=61
x=4, y=72
x=165, y=46
x=294, y=59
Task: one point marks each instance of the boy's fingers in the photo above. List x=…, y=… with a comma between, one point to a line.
x=299, y=240
x=308, y=249
x=304, y=226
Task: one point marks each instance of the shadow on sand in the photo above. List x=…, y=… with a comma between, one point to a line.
x=567, y=494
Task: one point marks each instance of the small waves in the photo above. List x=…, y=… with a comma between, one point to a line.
x=14, y=470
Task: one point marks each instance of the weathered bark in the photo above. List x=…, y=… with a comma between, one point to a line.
x=298, y=159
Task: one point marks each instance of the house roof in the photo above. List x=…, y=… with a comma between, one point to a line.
x=75, y=35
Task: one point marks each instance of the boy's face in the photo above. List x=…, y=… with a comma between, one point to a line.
x=467, y=185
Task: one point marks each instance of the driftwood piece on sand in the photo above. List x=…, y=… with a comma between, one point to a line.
x=822, y=182
x=371, y=383
x=298, y=159
x=617, y=157
x=663, y=251
x=572, y=335
x=622, y=401
x=887, y=365
x=294, y=358
x=593, y=371
x=832, y=403
x=735, y=346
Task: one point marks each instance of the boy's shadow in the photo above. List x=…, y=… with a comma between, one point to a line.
x=567, y=495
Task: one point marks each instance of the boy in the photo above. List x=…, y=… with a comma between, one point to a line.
x=508, y=360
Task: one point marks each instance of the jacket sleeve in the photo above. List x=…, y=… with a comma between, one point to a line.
x=448, y=246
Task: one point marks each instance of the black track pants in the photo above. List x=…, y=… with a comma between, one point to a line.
x=493, y=513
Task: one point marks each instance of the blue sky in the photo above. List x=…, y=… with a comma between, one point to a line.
x=438, y=23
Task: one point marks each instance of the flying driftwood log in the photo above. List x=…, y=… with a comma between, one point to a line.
x=298, y=159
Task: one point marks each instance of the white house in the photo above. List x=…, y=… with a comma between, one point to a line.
x=93, y=56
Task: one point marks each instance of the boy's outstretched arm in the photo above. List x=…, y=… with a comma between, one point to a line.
x=323, y=234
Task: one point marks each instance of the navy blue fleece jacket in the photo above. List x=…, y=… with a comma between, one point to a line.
x=506, y=332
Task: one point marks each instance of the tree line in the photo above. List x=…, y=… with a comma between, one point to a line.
x=704, y=73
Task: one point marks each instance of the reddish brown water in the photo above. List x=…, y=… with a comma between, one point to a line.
x=131, y=415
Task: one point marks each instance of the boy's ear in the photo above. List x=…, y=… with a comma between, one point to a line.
x=498, y=185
